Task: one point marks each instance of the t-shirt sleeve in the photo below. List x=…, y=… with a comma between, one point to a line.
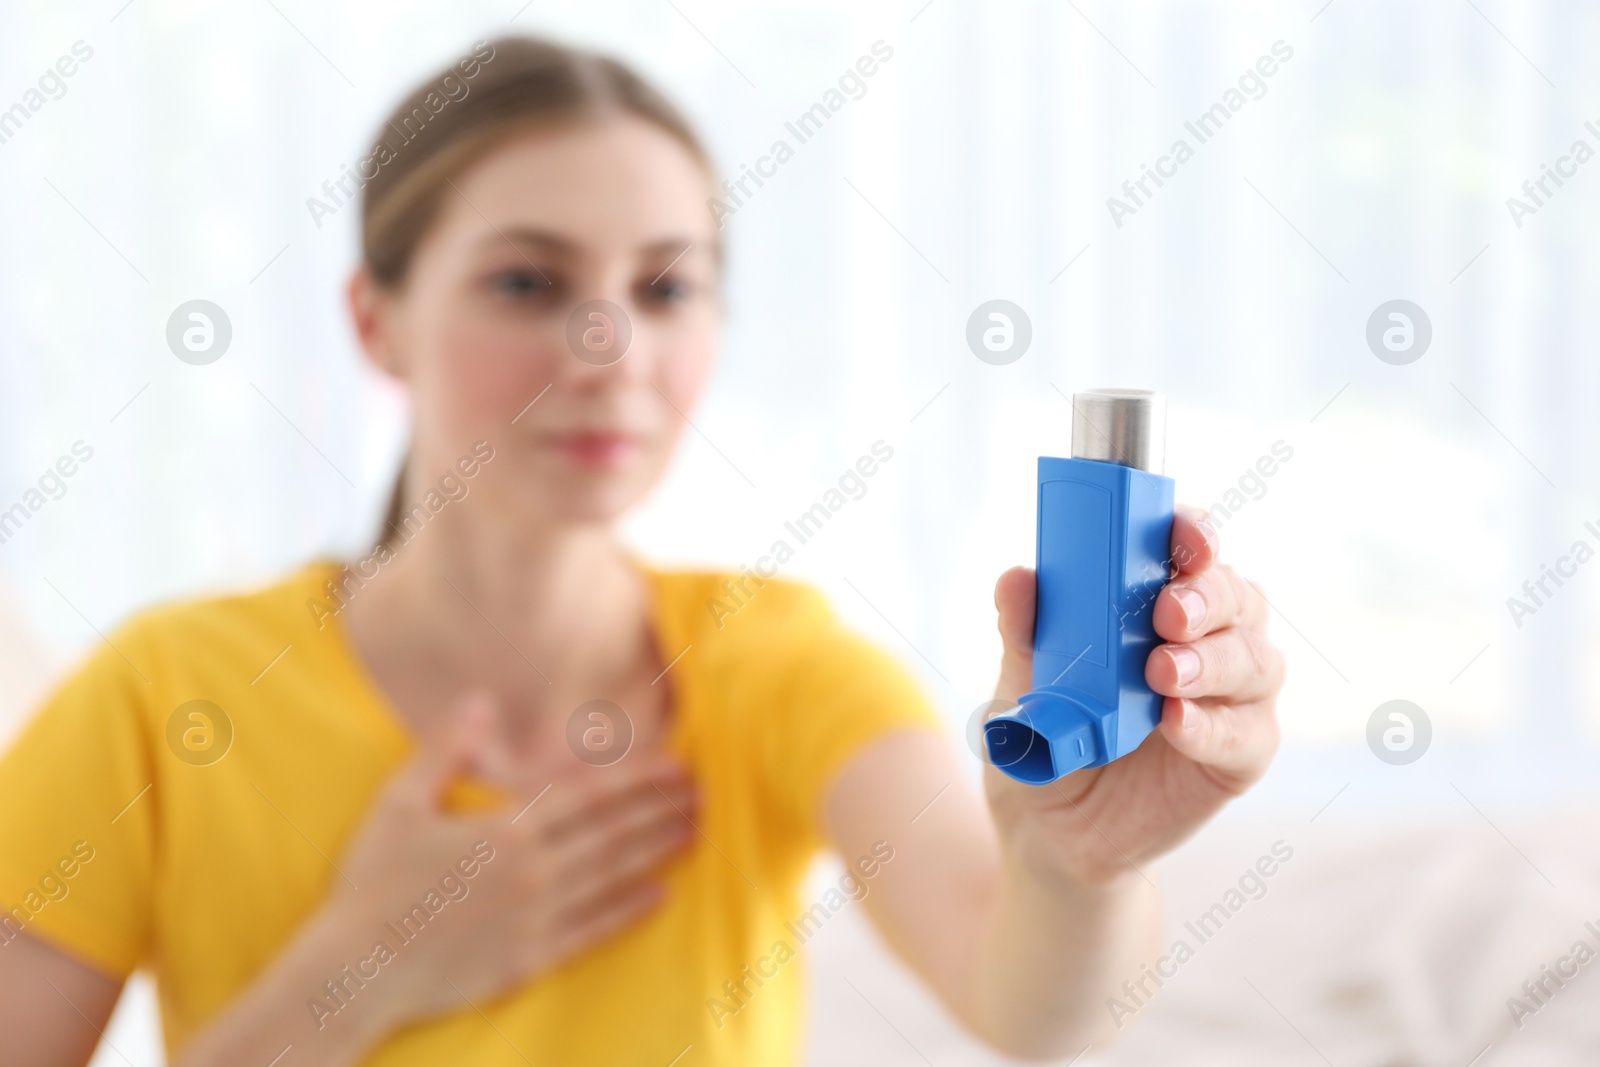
x=77, y=817
x=841, y=693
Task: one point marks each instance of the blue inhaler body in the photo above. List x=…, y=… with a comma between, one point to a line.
x=1104, y=539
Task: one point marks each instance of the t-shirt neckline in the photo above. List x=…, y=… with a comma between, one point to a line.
x=665, y=633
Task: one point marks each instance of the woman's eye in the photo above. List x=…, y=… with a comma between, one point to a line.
x=521, y=284
x=667, y=291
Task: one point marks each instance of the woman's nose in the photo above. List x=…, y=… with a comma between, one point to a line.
x=608, y=337
x=600, y=332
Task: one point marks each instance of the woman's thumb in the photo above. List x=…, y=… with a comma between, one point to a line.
x=451, y=748
x=1014, y=597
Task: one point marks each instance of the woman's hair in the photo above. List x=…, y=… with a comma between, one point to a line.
x=465, y=111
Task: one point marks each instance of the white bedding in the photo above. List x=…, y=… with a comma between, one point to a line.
x=1394, y=947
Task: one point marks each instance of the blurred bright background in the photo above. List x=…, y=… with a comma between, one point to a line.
x=1374, y=166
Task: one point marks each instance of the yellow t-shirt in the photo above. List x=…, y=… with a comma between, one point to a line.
x=125, y=855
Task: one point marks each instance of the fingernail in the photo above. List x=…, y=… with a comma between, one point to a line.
x=1193, y=605
x=1187, y=662
x=1188, y=717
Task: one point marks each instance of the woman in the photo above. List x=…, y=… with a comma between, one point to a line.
x=356, y=816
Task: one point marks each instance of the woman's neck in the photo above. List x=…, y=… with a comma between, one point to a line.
x=480, y=594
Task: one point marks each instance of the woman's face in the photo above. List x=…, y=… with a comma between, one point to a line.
x=493, y=333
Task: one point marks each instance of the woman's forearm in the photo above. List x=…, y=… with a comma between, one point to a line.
x=1021, y=950
x=278, y=1013
x=1053, y=953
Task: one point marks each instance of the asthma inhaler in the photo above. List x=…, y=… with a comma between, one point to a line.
x=1104, y=539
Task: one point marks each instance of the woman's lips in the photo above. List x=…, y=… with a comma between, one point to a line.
x=592, y=448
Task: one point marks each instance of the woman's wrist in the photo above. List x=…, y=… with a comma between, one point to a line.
x=298, y=1002
x=1089, y=872
x=335, y=998
x=1063, y=888
x=1056, y=945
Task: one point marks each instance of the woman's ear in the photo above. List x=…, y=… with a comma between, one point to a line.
x=372, y=311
